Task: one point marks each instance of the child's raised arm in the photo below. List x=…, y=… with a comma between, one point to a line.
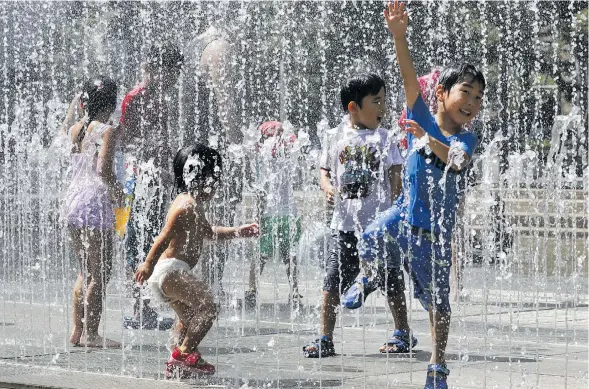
x=74, y=112
x=160, y=245
x=397, y=20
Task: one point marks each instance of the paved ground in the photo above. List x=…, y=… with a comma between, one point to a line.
x=512, y=331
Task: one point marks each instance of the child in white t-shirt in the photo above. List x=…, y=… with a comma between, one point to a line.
x=360, y=170
x=280, y=226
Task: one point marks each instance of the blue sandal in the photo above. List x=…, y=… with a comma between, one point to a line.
x=354, y=297
x=399, y=343
x=436, y=377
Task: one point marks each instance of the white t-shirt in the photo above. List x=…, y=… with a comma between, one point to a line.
x=276, y=169
x=359, y=161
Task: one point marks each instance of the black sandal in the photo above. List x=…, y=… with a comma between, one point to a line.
x=321, y=347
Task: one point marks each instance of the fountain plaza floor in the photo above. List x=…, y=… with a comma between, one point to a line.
x=507, y=333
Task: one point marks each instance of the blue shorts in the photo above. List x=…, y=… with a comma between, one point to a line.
x=426, y=256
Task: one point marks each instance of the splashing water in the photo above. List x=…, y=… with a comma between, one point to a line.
x=520, y=247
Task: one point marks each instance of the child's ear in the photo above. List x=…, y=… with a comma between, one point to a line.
x=440, y=93
x=352, y=107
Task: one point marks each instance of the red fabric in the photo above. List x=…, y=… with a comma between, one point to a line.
x=129, y=98
x=271, y=129
x=189, y=359
x=193, y=361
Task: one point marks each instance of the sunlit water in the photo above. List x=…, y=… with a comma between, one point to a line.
x=524, y=236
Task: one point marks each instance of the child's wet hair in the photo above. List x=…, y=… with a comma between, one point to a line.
x=99, y=94
x=360, y=86
x=453, y=75
x=206, y=164
x=165, y=56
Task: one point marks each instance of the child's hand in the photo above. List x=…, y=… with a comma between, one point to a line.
x=329, y=194
x=414, y=128
x=397, y=18
x=248, y=231
x=143, y=273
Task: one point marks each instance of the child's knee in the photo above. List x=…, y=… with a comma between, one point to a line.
x=438, y=304
x=392, y=280
x=96, y=282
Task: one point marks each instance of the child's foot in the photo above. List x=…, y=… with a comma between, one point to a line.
x=321, y=347
x=399, y=343
x=436, y=377
x=96, y=341
x=355, y=296
x=76, y=336
x=188, y=364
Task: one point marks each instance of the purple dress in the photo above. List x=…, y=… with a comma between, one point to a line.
x=87, y=203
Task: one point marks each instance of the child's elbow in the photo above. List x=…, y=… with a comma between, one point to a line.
x=458, y=159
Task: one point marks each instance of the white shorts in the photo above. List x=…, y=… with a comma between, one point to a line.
x=160, y=271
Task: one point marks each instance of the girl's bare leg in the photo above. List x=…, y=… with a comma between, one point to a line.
x=78, y=311
x=194, y=306
x=95, y=257
x=78, y=293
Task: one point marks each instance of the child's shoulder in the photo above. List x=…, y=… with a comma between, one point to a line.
x=183, y=204
x=330, y=137
x=466, y=134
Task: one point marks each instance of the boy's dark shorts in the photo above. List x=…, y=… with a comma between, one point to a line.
x=344, y=260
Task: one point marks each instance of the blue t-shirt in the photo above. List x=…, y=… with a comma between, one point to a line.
x=430, y=199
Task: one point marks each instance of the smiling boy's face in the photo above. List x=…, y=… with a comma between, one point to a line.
x=463, y=102
x=372, y=112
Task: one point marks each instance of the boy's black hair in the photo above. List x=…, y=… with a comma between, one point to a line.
x=360, y=86
x=211, y=165
x=166, y=55
x=455, y=74
x=98, y=95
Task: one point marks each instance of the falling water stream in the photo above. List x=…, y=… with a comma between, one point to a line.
x=520, y=313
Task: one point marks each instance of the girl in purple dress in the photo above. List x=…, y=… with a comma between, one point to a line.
x=88, y=208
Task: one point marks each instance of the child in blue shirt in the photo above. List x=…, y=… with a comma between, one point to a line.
x=417, y=230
